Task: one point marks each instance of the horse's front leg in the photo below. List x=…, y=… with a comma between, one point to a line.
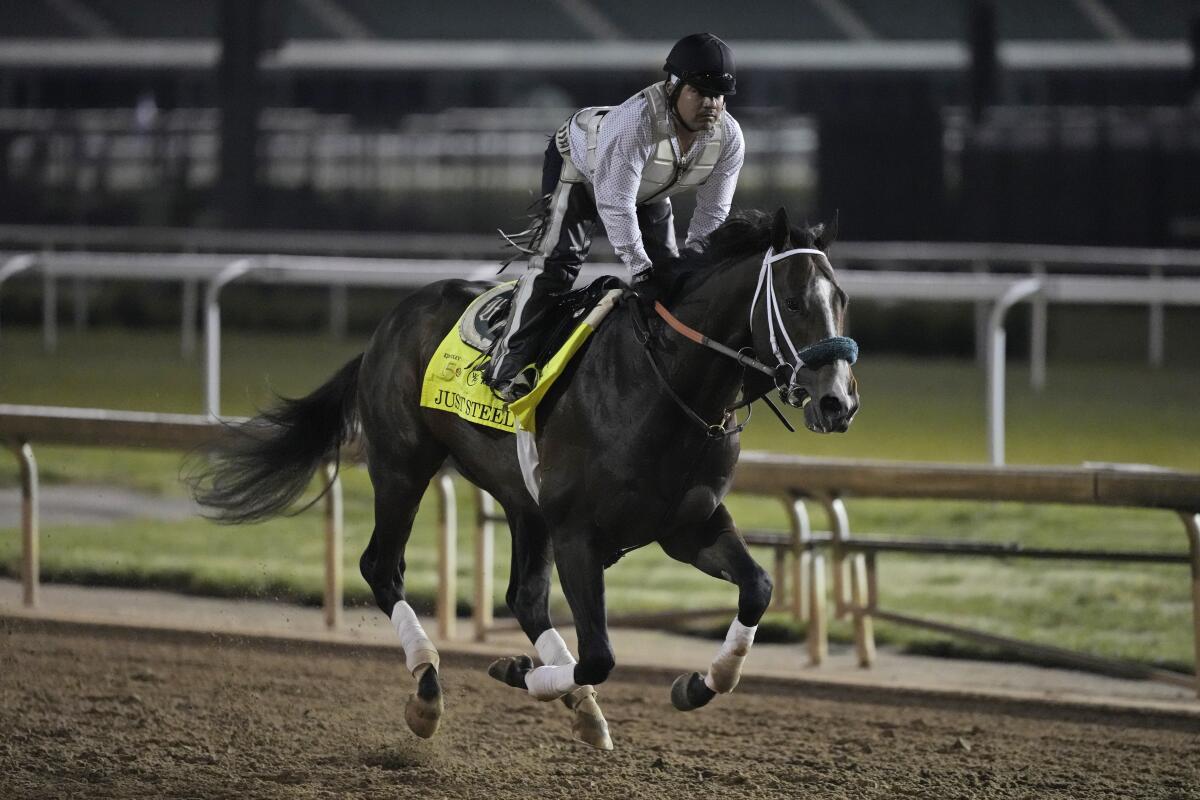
x=528, y=597
x=717, y=549
x=582, y=577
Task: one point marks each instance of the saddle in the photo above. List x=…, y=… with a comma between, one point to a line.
x=453, y=379
x=484, y=321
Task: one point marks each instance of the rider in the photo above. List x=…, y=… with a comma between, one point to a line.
x=622, y=165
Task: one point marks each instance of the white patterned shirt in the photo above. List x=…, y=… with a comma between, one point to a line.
x=624, y=145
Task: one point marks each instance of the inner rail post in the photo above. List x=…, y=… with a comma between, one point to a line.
x=485, y=560
x=447, y=592
x=818, y=632
x=839, y=527
x=334, y=535
x=187, y=318
x=49, y=312
x=16, y=264
x=1037, y=333
x=864, y=630
x=30, y=569
x=995, y=363
x=212, y=331
x=801, y=536
x=1156, y=334
x=1191, y=524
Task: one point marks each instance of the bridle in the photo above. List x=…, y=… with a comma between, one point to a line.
x=784, y=374
x=814, y=355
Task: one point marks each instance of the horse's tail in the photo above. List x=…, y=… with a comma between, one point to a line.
x=265, y=463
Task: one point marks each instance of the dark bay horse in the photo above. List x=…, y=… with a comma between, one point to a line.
x=623, y=464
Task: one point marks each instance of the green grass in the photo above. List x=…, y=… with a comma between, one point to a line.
x=912, y=410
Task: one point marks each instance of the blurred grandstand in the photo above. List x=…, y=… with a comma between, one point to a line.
x=1069, y=121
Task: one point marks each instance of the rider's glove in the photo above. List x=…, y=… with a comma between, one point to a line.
x=648, y=290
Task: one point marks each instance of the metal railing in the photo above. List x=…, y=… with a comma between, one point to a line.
x=855, y=581
x=855, y=585
x=790, y=479
x=995, y=294
x=23, y=426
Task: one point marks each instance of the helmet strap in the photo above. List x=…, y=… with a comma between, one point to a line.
x=676, y=85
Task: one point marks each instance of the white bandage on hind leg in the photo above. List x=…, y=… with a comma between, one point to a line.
x=726, y=668
x=418, y=648
x=552, y=650
x=551, y=682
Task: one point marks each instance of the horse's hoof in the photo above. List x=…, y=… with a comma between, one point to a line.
x=588, y=725
x=511, y=670
x=689, y=692
x=424, y=709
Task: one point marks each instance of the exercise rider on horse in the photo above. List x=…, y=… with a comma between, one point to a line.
x=621, y=165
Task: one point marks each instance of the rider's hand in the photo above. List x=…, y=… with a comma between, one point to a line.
x=648, y=291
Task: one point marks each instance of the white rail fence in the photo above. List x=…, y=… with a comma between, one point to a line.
x=788, y=479
x=993, y=294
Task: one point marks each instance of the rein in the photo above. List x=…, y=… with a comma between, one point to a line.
x=715, y=430
x=813, y=356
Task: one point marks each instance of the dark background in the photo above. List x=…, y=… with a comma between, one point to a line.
x=991, y=148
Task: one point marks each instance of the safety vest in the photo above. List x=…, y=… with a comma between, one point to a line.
x=663, y=174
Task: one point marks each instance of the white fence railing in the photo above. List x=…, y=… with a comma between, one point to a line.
x=993, y=294
x=789, y=479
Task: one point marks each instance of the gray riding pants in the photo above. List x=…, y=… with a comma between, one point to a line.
x=554, y=266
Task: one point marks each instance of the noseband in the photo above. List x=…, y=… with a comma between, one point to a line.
x=814, y=356
x=785, y=373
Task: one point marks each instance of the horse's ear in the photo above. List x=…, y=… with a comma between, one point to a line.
x=781, y=232
x=826, y=234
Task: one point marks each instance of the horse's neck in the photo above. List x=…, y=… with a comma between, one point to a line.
x=720, y=309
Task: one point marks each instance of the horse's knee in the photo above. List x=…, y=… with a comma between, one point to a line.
x=529, y=604
x=387, y=584
x=523, y=599
x=594, y=668
x=754, y=597
x=366, y=565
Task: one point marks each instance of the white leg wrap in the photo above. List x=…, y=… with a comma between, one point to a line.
x=552, y=650
x=418, y=648
x=726, y=668
x=551, y=682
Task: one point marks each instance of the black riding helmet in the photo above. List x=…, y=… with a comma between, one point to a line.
x=705, y=62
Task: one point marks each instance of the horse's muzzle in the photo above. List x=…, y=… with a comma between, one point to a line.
x=828, y=408
x=830, y=414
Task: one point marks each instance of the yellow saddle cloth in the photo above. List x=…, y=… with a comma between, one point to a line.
x=454, y=378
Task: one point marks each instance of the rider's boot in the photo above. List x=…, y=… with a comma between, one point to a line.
x=512, y=390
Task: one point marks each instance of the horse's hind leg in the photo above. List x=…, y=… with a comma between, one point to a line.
x=398, y=491
x=718, y=550
x=528, y=597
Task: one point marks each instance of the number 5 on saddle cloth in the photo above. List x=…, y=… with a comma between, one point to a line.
x=453, y=379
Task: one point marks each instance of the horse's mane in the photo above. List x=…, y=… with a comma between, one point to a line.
x=743, y=234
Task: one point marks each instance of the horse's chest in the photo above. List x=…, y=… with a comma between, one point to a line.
x=643, y=504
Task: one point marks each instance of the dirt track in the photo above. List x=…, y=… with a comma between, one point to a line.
x=114, y=714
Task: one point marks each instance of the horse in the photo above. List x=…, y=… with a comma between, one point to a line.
x=637, y=440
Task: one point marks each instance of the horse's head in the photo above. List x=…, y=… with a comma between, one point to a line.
x=798, y=315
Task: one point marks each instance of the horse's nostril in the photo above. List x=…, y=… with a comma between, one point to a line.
x=831, y=405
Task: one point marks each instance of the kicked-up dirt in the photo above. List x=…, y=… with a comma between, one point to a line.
x=91, y=712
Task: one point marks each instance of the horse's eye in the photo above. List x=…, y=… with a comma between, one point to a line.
x=791, y=304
